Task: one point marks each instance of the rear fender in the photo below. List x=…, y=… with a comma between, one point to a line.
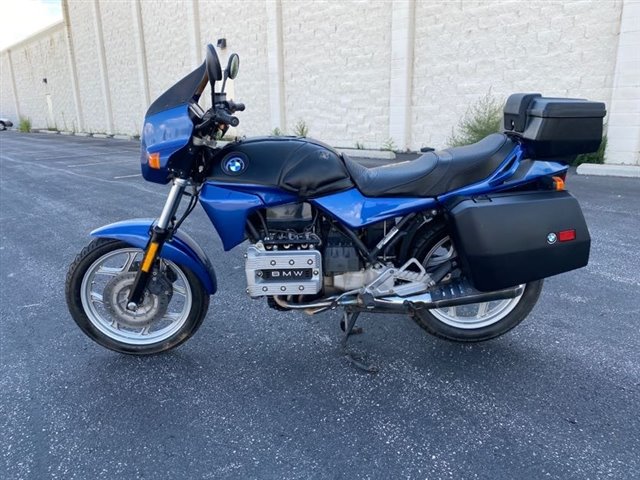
x=181, y=249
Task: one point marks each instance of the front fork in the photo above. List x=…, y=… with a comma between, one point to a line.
x=159, y=235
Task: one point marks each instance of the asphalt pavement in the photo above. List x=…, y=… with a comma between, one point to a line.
x=263, y=394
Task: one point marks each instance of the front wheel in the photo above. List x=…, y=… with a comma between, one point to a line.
x=468, y=323
x=97, y=289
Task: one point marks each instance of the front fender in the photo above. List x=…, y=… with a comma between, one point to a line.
x=181, y=249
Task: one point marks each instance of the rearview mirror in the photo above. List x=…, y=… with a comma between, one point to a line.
x=213, y=65
x=233, y=66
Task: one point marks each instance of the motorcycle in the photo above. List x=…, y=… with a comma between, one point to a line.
x=459, y=239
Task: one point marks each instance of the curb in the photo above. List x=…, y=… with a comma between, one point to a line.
x=66, y=133
x=102, y=135
x=50, y=132
x=629, y=171
x=122, y=137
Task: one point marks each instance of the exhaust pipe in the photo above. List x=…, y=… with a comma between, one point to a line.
x=450, y=295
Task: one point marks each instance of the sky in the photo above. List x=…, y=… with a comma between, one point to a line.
x=21, y=18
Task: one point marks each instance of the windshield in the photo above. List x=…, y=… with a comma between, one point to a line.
x=186, y=90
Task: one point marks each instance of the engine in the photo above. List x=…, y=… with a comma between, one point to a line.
x=275, y=272
x=286, y=261
x=298, y=254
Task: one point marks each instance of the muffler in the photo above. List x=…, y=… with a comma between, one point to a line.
x=450, y=295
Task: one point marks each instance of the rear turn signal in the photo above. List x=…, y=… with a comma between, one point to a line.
x=154, y=160
x=566, y=235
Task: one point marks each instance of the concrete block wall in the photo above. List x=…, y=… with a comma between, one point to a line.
x=50, y=104
x=336, y=70
x=7, y=99
x=354, y=71
x=463, y=50
x=624, y=120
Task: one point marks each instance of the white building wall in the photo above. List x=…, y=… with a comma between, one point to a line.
x=7, y=99
x=337, y=69
x=465, y=49
x=127, y=100
x=87, y=65
x=166, y=27
x=624, y=121
x=43, y=56
x=348, y=69
x=245, y=28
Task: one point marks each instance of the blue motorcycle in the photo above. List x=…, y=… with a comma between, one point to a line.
x=460, y=239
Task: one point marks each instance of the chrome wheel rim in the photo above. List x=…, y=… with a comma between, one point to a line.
x=472, y=316
x=119, y=263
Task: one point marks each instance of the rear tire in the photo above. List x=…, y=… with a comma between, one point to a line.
x=491, y=319
x=93, y=279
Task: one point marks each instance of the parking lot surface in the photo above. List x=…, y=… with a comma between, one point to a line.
x=263, y=394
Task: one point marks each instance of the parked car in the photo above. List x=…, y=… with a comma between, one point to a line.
x=4, y=123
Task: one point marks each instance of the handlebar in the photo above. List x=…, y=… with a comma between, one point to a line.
x=235, y=107
x=219, y=117
x=223, y=117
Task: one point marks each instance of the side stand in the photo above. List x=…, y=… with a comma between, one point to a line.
x=347, y=325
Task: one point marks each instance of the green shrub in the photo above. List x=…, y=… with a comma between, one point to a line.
x=276, y=132
x=301, y=129
x=24, y=125
x=594, y=157
x=359, y=145
x=389, y=145
x=482, y=118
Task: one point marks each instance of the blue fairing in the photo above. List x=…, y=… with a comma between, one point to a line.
x=356, y=210
x=181, y=249
x=165, y=133
x=229, y=205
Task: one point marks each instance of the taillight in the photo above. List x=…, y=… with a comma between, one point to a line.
x=566, y=235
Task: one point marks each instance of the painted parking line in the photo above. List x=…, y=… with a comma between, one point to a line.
x=128, y=176
x=106, y=162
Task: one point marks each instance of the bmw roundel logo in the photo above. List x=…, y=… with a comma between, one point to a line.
x=234, y=164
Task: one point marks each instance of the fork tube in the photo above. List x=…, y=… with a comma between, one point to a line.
x=156, y=242
x=172, y=203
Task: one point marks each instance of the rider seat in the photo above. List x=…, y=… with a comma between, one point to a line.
x=433, y=173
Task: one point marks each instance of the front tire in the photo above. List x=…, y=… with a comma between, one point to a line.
x=468, y=323
x=97, y=287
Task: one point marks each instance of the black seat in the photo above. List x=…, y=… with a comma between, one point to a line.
x=433, y=173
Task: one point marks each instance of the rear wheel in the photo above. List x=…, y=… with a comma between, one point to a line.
x=474, y=322
x=97, y=289
x=2, y=126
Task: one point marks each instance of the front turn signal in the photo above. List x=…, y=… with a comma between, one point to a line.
x=558, y=183
x=154, y=160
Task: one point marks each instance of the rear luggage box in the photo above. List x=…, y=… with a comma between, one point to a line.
x=554, y=127
x=510, y=239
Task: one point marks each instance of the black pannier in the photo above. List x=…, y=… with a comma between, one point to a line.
x=508, y=239
x=554, y=127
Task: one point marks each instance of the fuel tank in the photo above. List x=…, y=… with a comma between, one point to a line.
x=306, y=167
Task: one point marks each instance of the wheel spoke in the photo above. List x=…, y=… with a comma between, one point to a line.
x=96, y=297
x=110, y=271
x=181, y=290
x=452, y=311
x=145, y=330
x=131, y=256
x=482, y=309
x=172, y=316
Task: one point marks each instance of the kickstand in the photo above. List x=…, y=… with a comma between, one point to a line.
x=347, y=325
